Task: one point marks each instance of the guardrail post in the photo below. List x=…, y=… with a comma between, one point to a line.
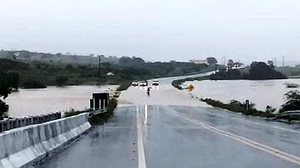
x=91, y=103
x=4, y=125
x=14, y=123
x=40, y=119
x=1, y=126
x=18, y=123
x=10, y=124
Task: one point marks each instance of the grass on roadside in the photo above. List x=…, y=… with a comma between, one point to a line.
x=73, y=112
x=236, y=106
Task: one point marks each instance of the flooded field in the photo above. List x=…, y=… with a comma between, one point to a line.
x=262, y=93
x=29, y=102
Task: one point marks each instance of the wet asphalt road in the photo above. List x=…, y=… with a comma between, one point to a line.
x=169, y=129
x=158, y=136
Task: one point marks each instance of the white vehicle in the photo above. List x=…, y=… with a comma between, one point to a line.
x=143, y=83
x=155, y=83
x=134, y=83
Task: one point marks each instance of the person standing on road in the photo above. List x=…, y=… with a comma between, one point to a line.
x=148, y=91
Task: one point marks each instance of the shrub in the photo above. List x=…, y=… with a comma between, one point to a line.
x=3, y=108
x=61, y=80
x=73, y=112
x=8, y=81
x=292, y=101
x=236, y=106
x=33, y=84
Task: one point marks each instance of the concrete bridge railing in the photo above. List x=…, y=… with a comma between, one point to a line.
x=21, y=122
x=22, y=147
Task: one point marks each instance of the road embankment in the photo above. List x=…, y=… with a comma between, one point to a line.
x=24, y=146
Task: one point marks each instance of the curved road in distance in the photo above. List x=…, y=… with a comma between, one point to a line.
x=169, y=129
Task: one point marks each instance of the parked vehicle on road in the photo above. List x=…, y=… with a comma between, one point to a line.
x=134, y=83
x=143, y=83
x=155, y=83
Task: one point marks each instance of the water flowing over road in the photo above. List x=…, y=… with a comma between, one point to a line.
x=260, y=92
x=34, y=102
x=170, y=129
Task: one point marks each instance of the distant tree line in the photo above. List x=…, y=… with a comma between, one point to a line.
x=257, y=71
x=159, y=69
x=40, y=74
x=28, y=56
x=211, y=60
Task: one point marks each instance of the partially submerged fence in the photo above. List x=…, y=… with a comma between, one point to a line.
x=21, y=122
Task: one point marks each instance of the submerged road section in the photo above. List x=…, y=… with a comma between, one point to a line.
x=171, y=130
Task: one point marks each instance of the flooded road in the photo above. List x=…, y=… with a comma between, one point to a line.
x=262, y=93
x=171, y=130
x=31, y=102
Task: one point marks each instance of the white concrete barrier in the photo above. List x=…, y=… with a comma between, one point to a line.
x=22, y=146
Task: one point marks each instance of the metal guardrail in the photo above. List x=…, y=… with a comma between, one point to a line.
x=22, y=122
x=288, y=115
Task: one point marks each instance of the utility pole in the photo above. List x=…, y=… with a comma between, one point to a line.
x=283, y=61
x=275, y=62
x=99, y=66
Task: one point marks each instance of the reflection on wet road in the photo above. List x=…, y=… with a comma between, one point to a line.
x=169, y=129
x=110, y=146
x=159, y=136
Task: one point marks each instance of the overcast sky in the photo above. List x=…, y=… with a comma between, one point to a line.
x=155, y=29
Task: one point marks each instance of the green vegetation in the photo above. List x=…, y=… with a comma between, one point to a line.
x=3, y=108
x=33, y=84
x=261, y=71
x=236, y=106
x=8, y=82
x=211, y=60
x=223, y=74
x=61, y=80
x=104, y=117
x=36, y=74
x=73, y=112
x=292, y=101
x=257, y=71
x=160, y=69
x=41, y=74
x=291, y=72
